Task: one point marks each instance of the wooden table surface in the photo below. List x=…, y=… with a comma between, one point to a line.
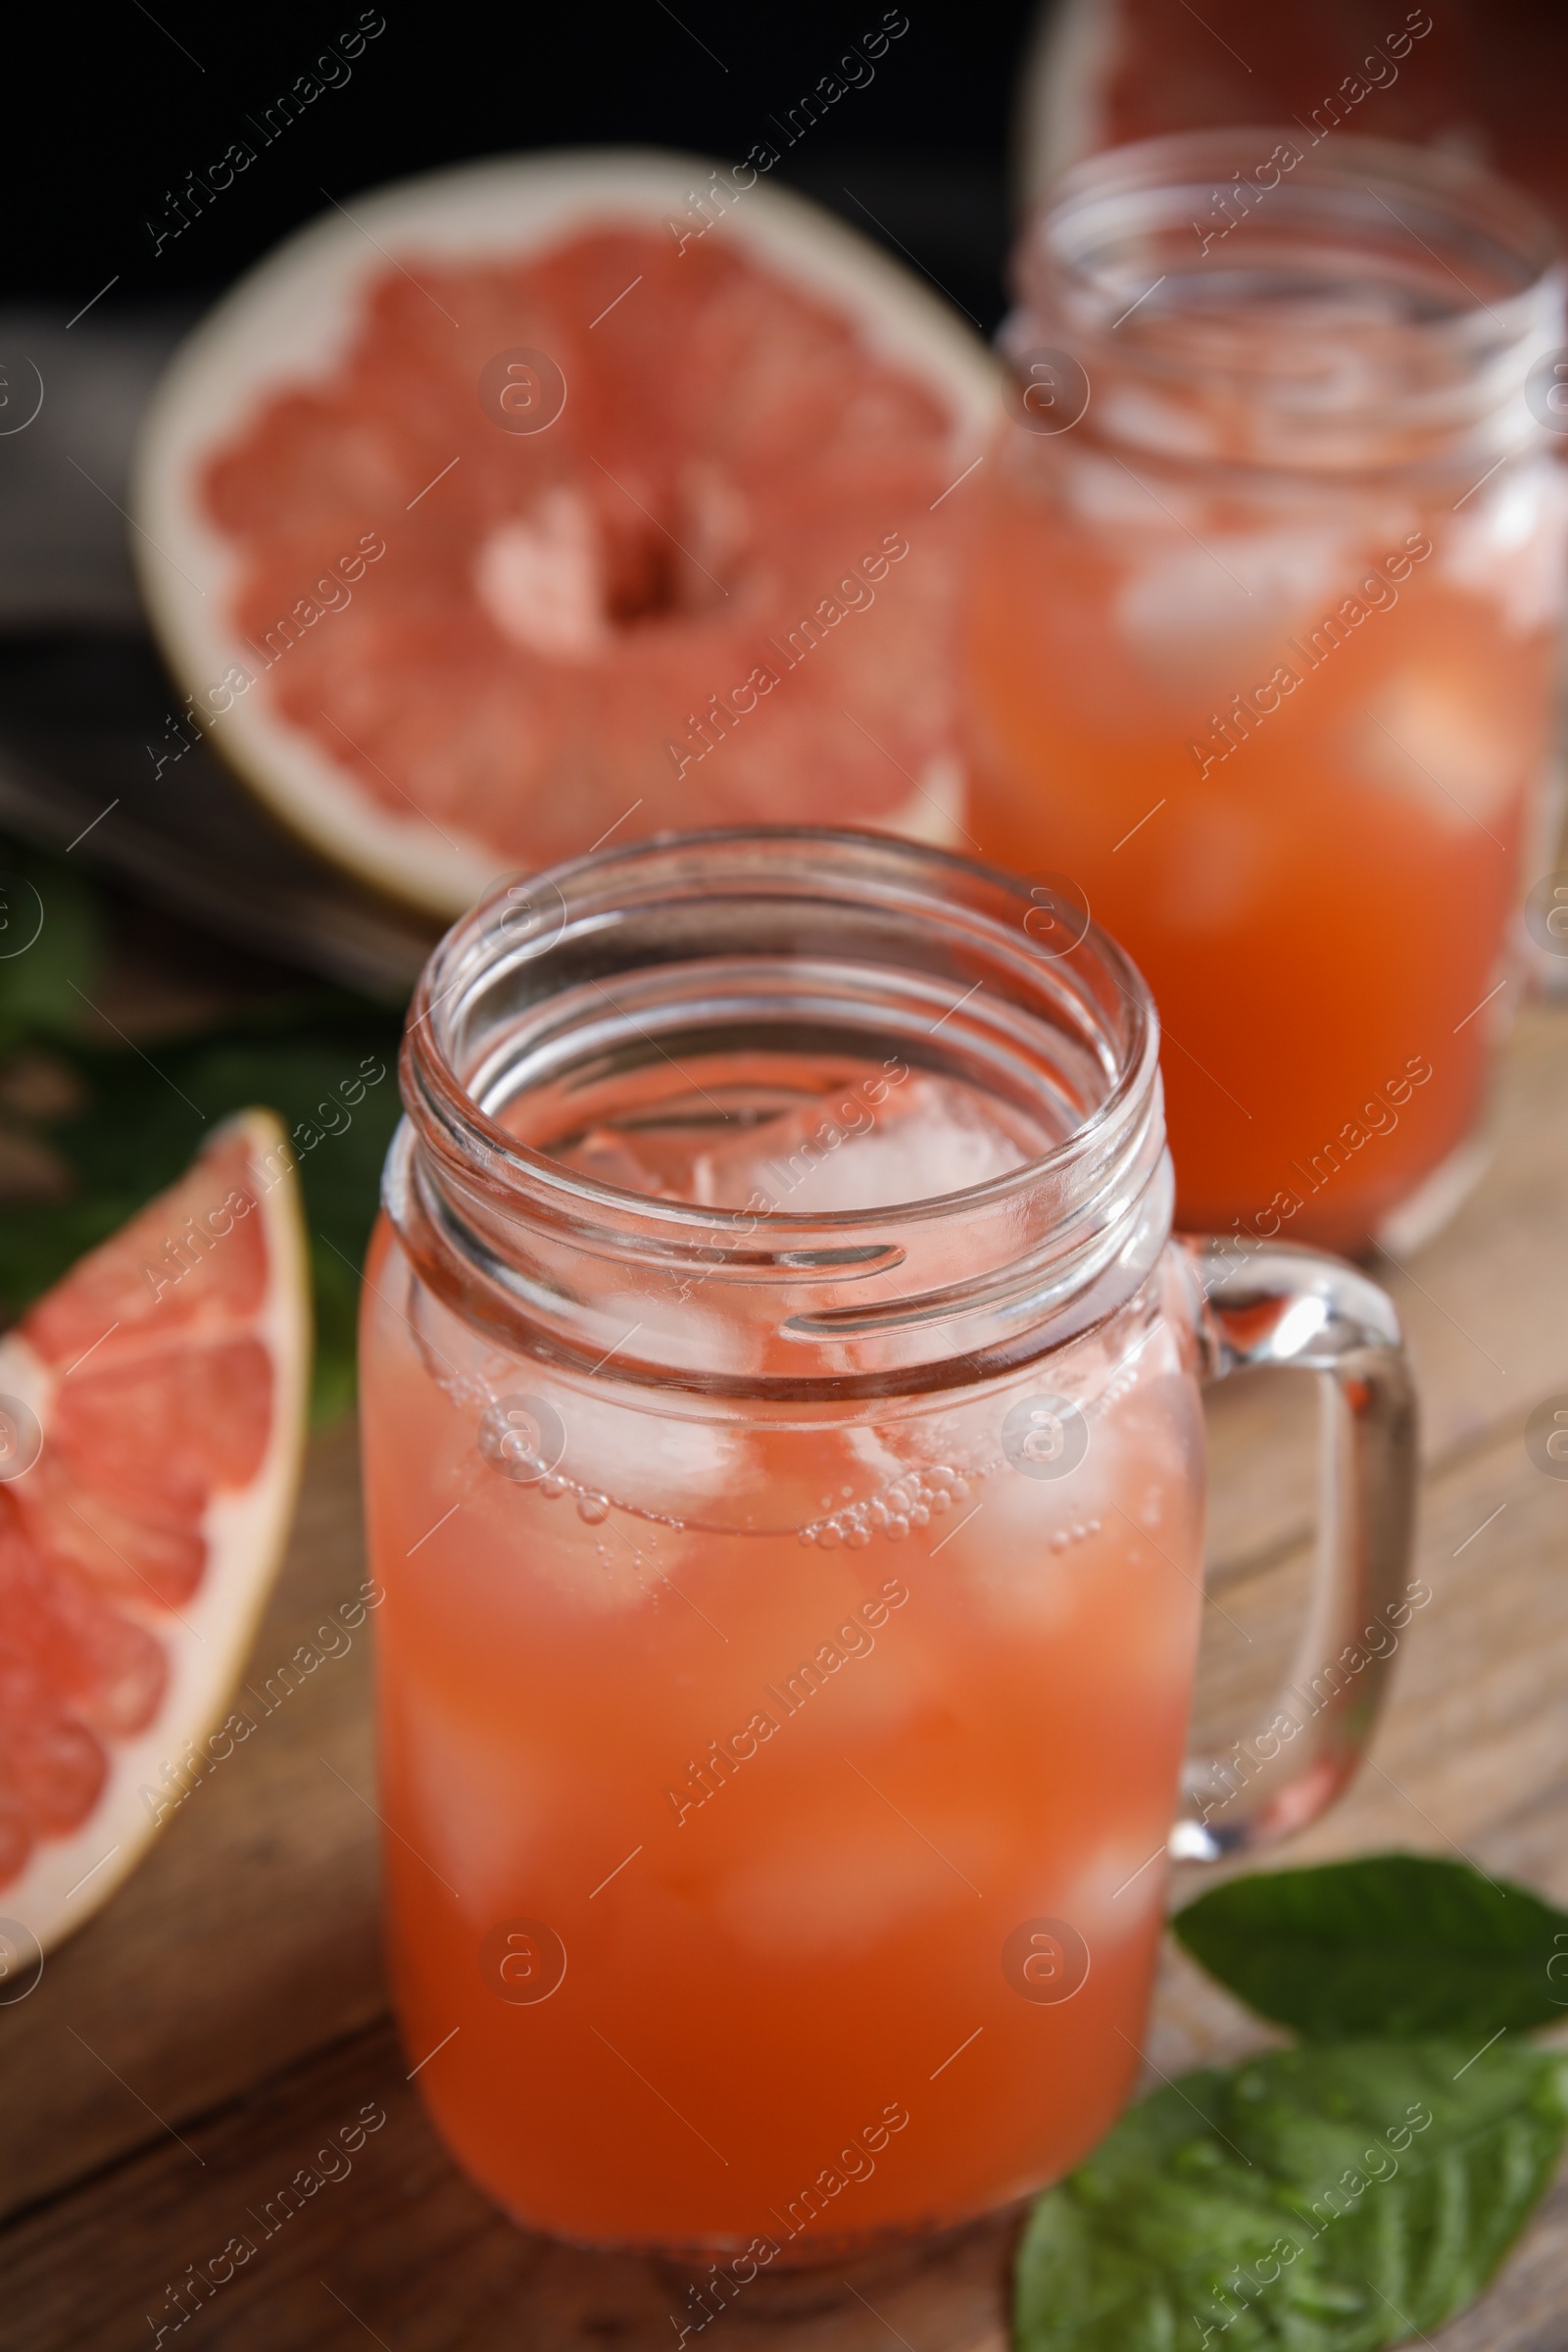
x=198, y=2042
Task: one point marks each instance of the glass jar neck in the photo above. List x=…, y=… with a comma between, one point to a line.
x=1274, y=298
x=713, y=950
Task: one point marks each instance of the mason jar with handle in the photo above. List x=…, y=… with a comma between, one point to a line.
x=1264, y=619
x=784, y=1465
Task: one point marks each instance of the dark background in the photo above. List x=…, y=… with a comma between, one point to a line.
x=130, y=105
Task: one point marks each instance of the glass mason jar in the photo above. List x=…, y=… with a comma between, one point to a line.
x=1264, y=620
x=784, y=1464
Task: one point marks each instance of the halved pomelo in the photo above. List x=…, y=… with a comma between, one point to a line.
x=1099, y=73
x=690, y=563
x=167, y=1376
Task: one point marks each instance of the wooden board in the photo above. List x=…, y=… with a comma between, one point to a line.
x=188, y=2052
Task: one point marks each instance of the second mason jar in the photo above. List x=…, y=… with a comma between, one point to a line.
x=1264, y=628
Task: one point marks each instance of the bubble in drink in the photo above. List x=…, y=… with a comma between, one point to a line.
x=523, y=1437
x=1045, y=1437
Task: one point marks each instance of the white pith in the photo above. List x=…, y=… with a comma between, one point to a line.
x=291, y=319
x=206, y=1641
x=1058, y=113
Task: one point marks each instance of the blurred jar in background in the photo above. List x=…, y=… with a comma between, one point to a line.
x=1264, y=622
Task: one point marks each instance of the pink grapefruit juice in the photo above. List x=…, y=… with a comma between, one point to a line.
x=1306, y=802
x=760, y=1747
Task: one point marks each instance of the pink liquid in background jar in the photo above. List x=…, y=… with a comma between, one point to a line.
x=1263, y=645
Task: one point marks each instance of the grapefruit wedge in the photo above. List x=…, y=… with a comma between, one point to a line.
x=152, y=1408
x=576, y=494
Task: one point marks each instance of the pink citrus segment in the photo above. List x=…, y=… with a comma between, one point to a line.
x=160, y=1434
x=723, y=544
x=166, y=1372
x=151, y=1281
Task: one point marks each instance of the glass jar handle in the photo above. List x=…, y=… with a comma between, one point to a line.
x=1283, y=1306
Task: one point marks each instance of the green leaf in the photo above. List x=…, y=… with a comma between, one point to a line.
x=1390, y=1944
x=1299, y=2202
x=51, y=946
x=145, y=1113
x=140, y=1112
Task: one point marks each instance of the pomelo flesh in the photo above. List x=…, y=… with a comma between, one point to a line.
x=165, y=1375
x=717, y=587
